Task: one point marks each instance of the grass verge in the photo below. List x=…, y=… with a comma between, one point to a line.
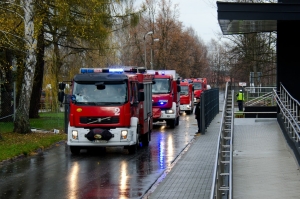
x=14, y=144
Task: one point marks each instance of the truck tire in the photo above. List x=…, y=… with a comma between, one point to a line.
x=145, y=139
x=75, y=150
x=171, y=123
x=132, y=149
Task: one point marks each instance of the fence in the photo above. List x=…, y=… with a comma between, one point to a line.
x=222, y=173
x=209, y=107
x=48, y=120
x=7, y=108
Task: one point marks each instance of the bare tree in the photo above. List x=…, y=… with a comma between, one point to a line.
x=21, y=123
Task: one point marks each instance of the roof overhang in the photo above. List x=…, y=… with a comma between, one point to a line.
x=241, y=18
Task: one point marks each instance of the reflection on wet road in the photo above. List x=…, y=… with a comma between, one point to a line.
x=96, y=173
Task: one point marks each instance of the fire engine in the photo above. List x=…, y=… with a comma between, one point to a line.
x=166, y=97
x=186, y=97
x=110, y=107
x=200, y=85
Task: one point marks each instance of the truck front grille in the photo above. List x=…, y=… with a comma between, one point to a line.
x=99, y=120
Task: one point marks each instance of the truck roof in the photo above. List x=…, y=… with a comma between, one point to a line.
x=92, y=77
x=162, y=73
x=184, y=83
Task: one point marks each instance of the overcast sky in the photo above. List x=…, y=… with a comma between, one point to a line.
x=201, y=15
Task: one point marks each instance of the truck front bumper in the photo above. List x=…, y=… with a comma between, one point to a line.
x=185, y=107
x=116, y=140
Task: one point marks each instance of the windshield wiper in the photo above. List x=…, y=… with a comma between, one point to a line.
x=86, y=103
x=107, y=103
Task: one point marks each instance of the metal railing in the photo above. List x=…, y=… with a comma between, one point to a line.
x=265, y=100
x=289, y=111
x=262, y=96
x=222, y=173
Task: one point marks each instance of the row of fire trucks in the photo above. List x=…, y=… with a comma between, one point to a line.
x=190, y=89
x=117, y=107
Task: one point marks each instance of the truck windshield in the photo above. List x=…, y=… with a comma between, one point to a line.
x=184, y=90
x=87, y=93
x=197, y=86
x=161, y=86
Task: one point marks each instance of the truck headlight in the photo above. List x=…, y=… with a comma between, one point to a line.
x=171, y=111
x=124, y=134
x=75, y=134
x=188, y=106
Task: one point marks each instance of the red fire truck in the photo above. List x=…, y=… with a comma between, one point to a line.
x=110, y=107
x=166, y=97
x=200, y=85
x=186, y=97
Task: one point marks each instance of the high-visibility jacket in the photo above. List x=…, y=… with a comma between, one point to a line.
x=240, y=96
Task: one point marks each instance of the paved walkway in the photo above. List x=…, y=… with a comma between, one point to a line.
x=191, y=177
x=263, y=164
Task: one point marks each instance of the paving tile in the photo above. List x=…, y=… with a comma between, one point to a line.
x=263, y=164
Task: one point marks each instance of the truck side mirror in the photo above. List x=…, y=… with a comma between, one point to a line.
x=61, y=86
x=193, y=89
x=61, y=96
x=141, y=96
x=178, y=88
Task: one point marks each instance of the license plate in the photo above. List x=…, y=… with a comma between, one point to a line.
x=100, y=141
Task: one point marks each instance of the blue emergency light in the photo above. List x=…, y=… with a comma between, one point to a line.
x=101, y=70
x=83, y=70
x=90, y=70
x=162, y=102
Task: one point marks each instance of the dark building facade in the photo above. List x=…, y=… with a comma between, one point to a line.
x=282, y=17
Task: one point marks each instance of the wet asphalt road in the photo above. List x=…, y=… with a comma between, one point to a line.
x=105, y=174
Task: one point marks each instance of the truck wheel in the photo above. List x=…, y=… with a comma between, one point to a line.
x=171, y=123
x=75, y=150
x=177, y=121
x=145, y=139
x=132, y=149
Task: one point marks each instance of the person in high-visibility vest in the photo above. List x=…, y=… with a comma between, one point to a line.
x=240, y=99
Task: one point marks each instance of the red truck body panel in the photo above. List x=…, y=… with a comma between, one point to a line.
x=186, y=97
x=166, y=97
x=200, y=85
x=113, y=104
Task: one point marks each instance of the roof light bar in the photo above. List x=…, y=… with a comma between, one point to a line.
x=90, y=70
x=113, y=70
x=116, y=70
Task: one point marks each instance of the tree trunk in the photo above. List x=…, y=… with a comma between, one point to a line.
x=21, y=123
x=35, y=102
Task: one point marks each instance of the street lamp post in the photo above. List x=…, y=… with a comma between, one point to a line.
x=148, y=33
x=151, y=63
